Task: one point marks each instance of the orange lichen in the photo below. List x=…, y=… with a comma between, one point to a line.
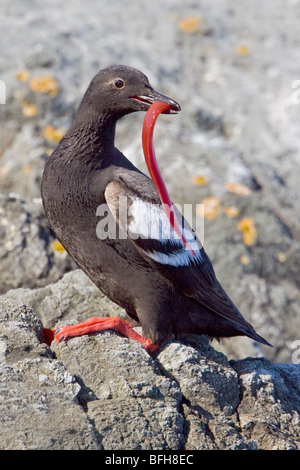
x=245, y=260
x=211, y=207
x=44, y=84
x=238, y=188
x=199, y=180
x=248, y=229
x=190, y=24
x=22, y=75
x=52, y=134
x=29, y=109
x=243, y=50
x=232, y=211
x=57, y=246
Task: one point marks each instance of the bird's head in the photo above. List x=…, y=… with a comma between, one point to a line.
x=119, y=90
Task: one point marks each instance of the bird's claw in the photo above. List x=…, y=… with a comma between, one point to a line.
x=60, y=336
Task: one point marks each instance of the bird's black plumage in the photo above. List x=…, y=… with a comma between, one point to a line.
x=159, y=284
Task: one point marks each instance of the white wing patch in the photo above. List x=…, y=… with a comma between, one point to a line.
x=183, y=258
x=150, y=222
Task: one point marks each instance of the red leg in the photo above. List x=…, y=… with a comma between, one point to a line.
x=109, y=323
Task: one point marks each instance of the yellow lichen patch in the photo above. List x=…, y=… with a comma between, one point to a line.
x=44, y=84
x=57, y=246
x=245, y=260
x=22, y=75
x=232, y=211
x=238, y=188
x=243, y=50
x=248, y=229
x=52, y=134
x=199, y=180
x=29, y=109
x=190, y=24
x=211, y=207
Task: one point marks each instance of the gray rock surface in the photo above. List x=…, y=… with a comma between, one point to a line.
x=27, y=255
x=72, y=299
x=104, y=391
x=38, y=404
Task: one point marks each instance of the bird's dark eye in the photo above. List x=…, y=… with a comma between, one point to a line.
x=119, y=83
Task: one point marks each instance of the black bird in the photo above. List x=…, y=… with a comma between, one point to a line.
x=165, y=286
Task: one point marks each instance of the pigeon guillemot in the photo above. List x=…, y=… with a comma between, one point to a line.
x=165, y=283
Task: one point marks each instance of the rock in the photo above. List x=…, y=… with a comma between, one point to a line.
x=27, y=254
x=37, y=391
x=72, y=299
x=247, y=404
x=22, y=163
x=114, y=396
x=132, y=404
x=270, y=405
x=210, y=389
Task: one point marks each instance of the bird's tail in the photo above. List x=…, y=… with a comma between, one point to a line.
x=258, y=338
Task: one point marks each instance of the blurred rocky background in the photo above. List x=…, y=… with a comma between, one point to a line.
x=234, y=68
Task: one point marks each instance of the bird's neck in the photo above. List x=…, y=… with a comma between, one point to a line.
x=93, y=135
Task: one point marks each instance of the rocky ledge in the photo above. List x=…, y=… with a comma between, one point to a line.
x=104, y=391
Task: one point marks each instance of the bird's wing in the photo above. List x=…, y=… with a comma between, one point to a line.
x=143, y=220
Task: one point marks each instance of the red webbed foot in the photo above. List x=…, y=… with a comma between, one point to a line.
x=96, y=324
